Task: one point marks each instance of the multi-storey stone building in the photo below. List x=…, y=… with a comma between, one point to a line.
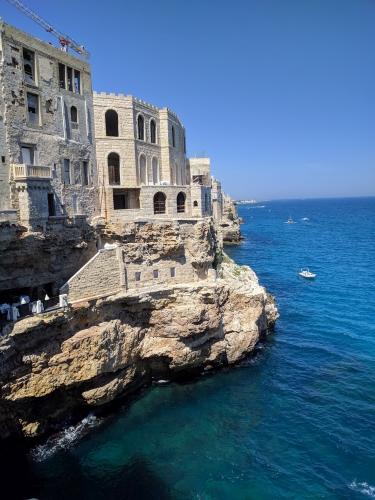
x=48, y=166
x=142, y=166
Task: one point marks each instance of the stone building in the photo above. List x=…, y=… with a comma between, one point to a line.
x=217, y=199
x=47, y=148
x=142, y=166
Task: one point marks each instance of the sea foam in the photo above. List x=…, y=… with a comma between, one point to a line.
x=64, y=439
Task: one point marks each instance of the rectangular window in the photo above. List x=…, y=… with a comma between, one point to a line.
x=69, y=77
x=29, y=66
x=3, y=159
x=155, y=273
x=62, y=83
x=77, y=81
x=85, y=173
x=66, y=171
x=173, y=272
x=51, y=205
x=137, y=276
x=77, y=173
x=33, y=108
x=27, y=153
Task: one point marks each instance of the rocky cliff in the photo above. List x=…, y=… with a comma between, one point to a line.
x=56, y=367
x=230, y=223
x=31, y=259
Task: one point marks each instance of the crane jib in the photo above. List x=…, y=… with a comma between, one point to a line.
x=64, y=40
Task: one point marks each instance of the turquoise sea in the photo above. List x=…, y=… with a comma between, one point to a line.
x=295, y=421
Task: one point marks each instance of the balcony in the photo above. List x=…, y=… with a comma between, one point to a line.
x=24, y=171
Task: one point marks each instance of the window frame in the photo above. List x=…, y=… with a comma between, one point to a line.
x=66, y=161
x=153, y=132
x=34, y=80
x=62, y=71
x=106, y=123
x=143, y=138
x=37, y=113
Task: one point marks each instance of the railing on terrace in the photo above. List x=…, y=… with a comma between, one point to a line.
x=24, y=171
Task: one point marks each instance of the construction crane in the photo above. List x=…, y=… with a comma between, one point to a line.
x=65, y=41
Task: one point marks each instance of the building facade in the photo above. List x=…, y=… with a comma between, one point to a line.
x=142, y=166
x=47, y=142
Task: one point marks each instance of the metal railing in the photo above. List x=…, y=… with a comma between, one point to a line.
x=24, y=171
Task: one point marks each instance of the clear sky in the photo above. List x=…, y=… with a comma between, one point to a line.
x=279, y=93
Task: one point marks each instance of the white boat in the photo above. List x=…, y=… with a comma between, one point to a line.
x=305, y=218
x=306, y=273
x=290, y=221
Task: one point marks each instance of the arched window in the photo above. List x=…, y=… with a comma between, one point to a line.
x=111, y=123
x=153, y=131
x=155, y=171
x=141, y=127
x=195, y=204
x=181, y=202
x=173, y=137
x=113, y=169
x=159, y=203
x=73, y=114
x=142, y=169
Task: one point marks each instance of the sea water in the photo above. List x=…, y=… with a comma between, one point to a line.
x=296, y=420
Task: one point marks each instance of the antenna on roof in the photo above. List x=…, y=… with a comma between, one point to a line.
x=64, y=40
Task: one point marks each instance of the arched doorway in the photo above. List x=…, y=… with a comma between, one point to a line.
x=159, y=203
x=181, y=202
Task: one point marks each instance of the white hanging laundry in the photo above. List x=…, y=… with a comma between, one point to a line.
x=39, y=307
x=63, y=300
x=24, y=299
x=4, y=308
x=46, y=297
x=13, y=313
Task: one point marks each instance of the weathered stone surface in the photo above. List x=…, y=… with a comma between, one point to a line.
x=31, y=259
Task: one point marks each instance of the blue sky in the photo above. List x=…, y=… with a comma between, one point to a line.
x=279, y=93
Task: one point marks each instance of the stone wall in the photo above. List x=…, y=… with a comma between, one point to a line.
x=98, y=277
x=147, y=254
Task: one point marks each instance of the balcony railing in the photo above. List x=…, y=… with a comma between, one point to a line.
x=23, y=171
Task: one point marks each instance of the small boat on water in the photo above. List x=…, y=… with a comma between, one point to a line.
x=306, y=273
x=290, y=221
x=305, y=219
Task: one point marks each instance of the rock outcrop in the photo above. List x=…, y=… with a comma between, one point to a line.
x=230, y=223
x=56, y=367
x=32, y=259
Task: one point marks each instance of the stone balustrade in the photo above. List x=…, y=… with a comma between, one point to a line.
x=24, y=171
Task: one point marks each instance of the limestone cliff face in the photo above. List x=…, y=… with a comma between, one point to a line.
x=58, y=366
x=230, y=223
x=31, y=259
